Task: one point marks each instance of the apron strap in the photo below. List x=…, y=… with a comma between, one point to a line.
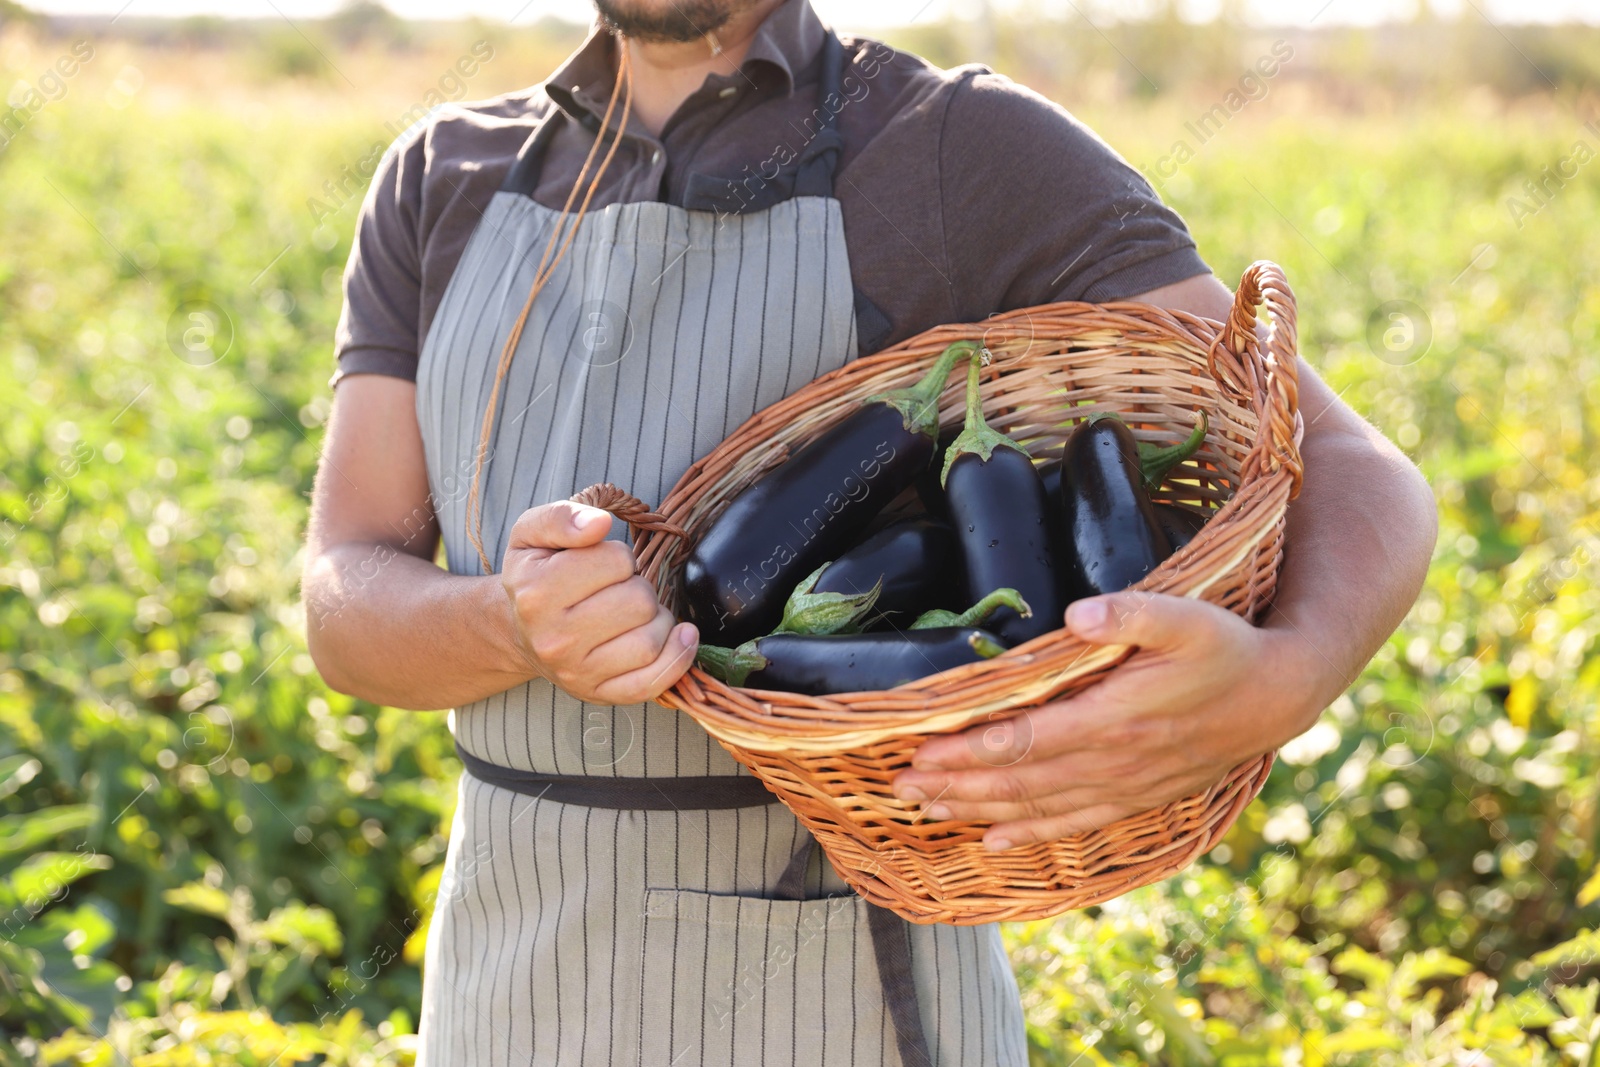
x=792, y=882
x=814, y=177
x=891, y=948
x=523, y=177
x=811, y=174
x=631, y=793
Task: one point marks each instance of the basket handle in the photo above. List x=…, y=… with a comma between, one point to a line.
x=627, y=507
x=1264, y=282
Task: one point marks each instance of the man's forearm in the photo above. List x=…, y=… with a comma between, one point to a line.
x=395, y=629
x=1359, y=539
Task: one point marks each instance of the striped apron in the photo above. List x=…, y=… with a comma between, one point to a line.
x=617, y=889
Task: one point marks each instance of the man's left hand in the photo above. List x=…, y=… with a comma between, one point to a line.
x=1204, y=692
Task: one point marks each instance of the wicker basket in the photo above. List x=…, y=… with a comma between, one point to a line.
x=832, y=759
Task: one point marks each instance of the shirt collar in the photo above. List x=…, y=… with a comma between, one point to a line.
x=786, y=42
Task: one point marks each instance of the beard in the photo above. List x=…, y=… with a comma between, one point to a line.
x=677, y=21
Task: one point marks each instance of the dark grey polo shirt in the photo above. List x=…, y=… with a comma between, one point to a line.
x=963, y=193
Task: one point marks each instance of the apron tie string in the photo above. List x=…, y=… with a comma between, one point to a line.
x=564, y=233
x=891, y=948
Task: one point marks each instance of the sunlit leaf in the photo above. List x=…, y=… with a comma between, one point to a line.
x=24, y=833
x=45, y=877
x=299, y=925
x=1590, y=890
x=1581, y=951
x=1357, y=1039
x=198, y=897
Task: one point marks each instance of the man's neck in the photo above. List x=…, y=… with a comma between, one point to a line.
x=665, y=73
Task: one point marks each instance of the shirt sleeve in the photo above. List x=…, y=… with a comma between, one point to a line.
x=379, y=323
x=1037, y=208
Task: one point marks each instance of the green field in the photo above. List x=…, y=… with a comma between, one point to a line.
x=206, y=856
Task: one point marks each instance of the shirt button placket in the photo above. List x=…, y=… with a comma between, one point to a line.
x=652, y=177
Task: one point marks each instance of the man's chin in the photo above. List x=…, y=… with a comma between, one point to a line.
x=676, y=21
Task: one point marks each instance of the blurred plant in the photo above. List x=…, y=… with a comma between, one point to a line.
x=238, y=1038
x=1200, y=971
x=288, y=53
x=180, y=1019
x=366, y=21
x=51, y=971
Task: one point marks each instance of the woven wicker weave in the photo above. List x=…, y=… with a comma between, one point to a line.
x=832, y=759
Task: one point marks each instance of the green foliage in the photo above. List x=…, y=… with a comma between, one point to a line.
x=207, y=856
x=236, y=1038
x=1202, y=971
x=153, y=680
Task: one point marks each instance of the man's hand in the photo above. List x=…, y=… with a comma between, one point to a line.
x=585, y=620
x=1204, y=692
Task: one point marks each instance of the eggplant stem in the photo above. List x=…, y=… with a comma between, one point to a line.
x=1156, y=461
x=731, y=665
x=919, y=404
x=975, y=615
x=806, y=612
x=985, y=646
x=977, y=437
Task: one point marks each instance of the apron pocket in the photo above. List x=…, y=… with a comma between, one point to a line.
x=737, y=978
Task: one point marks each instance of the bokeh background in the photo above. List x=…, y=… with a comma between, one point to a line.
x=206, y=856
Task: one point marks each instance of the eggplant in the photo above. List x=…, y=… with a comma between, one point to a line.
x=1155, y=462
x=847, y=663
x=1002, y=517
x=1052, y=482
x=1110, y=535
x=810, y=508
x=911, y=562
x=930, y=488
x=976, y=615
x=1179, y=524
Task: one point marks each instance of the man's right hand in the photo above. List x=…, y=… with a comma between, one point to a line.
x=585, y=620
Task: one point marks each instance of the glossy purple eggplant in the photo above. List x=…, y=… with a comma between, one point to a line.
x=1001, y=515
x=912, y=562
x=1179, y=524
x=1155, y=461
x=1110, y=538
x=930, y=483
x=810, y=508
x=847, y=663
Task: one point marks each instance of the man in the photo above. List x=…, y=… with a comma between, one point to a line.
x=778, y=202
